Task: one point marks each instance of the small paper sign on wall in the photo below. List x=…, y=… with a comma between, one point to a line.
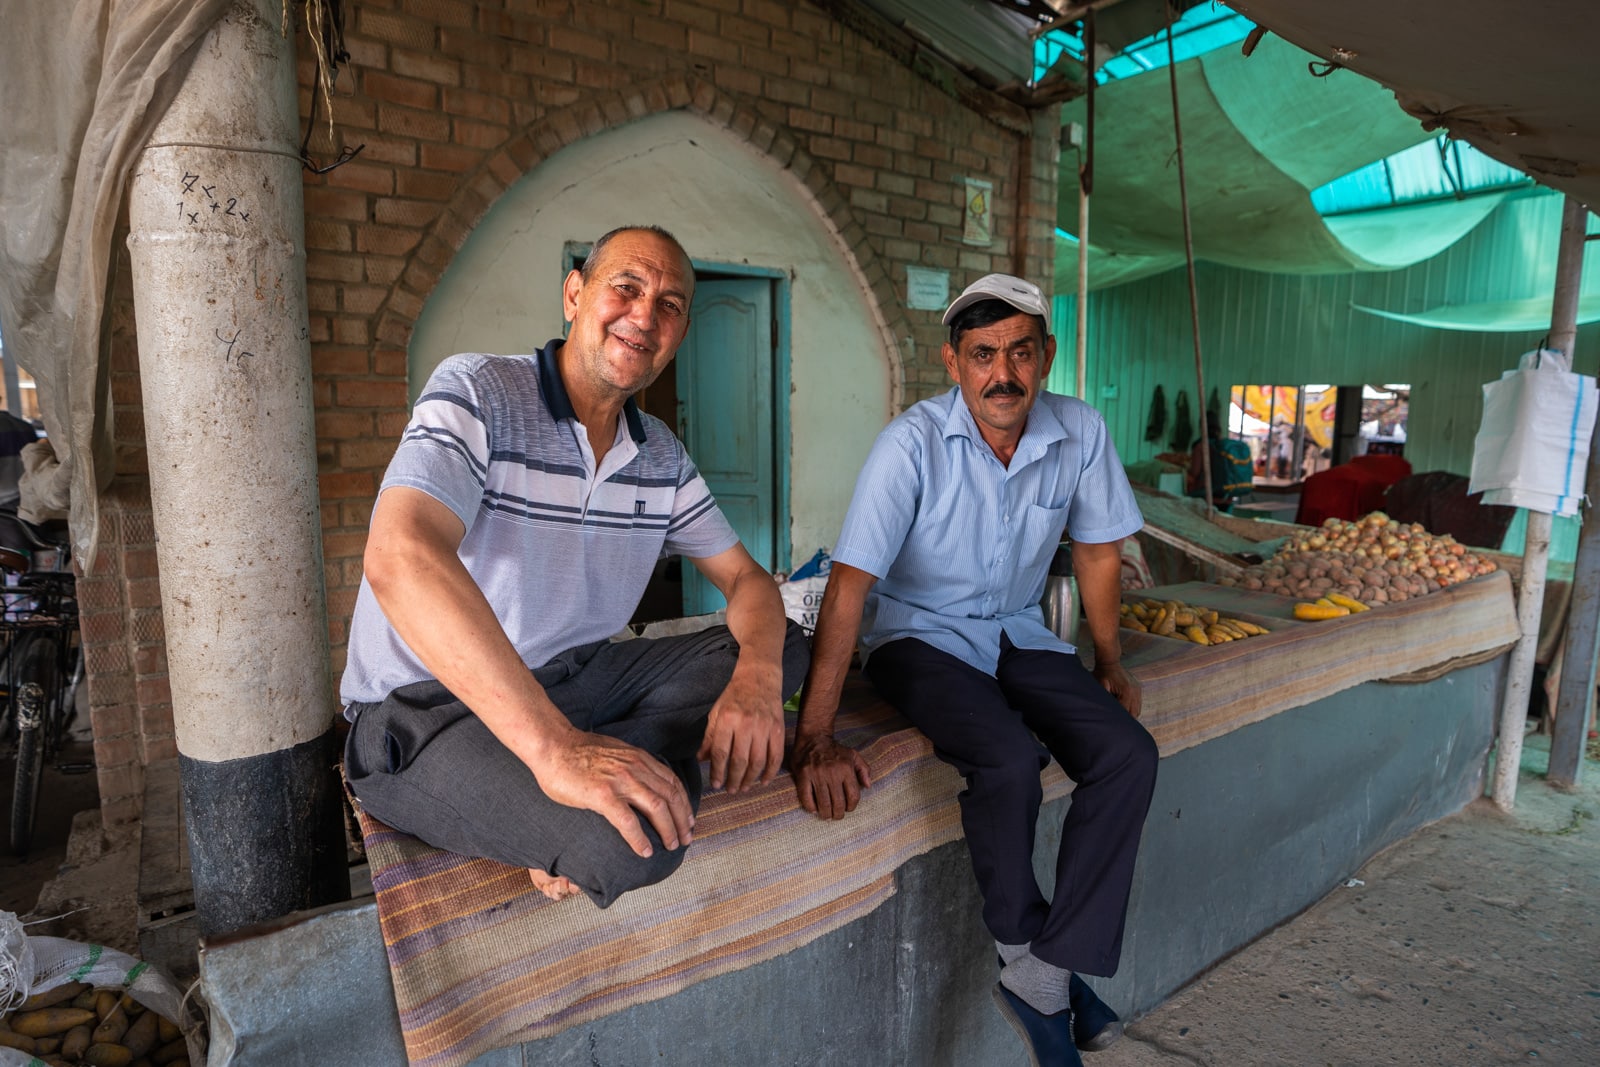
x=978, y=228
x=927, y=290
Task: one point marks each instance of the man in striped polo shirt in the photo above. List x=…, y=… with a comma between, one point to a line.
x=515, y=532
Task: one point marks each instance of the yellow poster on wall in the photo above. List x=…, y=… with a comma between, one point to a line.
x=978, y=227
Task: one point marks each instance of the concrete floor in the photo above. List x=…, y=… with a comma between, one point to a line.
x=1474, y=941
x=61, y=796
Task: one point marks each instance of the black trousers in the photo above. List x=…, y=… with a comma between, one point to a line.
x=991, y=730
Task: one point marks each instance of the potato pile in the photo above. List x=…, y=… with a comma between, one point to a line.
x=1374, y=559
x=1174, y=618
x=77, y=1024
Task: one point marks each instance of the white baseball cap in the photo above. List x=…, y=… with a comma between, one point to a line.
x=1020, y=294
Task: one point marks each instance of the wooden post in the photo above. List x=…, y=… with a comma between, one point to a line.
x=1583, y=617
x=1536, y=552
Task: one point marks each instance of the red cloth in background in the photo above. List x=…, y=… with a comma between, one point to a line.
x=1388, y=469
x=1343, y=492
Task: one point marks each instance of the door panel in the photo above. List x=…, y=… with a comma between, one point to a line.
x=724, y=370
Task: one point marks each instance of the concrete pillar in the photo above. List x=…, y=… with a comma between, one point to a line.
x=218, y=248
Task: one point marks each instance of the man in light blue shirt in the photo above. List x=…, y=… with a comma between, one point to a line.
x=940, y=568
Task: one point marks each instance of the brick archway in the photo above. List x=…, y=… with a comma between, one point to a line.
x=427, y=263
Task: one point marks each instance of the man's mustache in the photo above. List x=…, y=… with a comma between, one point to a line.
x=1004, y=389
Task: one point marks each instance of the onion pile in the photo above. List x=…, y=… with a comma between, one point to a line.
x=1374, y=559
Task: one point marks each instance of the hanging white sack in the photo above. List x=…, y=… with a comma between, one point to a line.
x=1533, y=444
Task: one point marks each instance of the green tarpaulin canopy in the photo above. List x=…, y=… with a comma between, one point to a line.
x=1260, y=132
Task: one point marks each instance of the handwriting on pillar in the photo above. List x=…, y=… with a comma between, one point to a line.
x=232, y=349
x=202, y=199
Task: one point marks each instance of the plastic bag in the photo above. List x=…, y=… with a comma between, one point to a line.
x=1532, y=448
x=36, y=964
x=802, y=593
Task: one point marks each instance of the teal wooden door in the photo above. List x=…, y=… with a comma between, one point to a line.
x=725, y=417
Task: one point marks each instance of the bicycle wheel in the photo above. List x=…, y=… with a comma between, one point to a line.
x=36, y=682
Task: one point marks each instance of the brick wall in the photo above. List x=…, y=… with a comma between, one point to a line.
x=455, y=100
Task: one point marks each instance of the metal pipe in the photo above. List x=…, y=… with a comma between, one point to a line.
x=1081, y=327
x=1583, y=616
x=1298, y=463
x=218, y=249
x=1085, y=186
x=1536, y=553
x=13, y=383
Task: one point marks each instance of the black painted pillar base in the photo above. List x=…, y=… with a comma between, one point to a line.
x=266, y=834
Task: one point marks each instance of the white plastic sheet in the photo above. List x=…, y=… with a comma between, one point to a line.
x=84, y=82
x=38, y=964
x=1532, y=447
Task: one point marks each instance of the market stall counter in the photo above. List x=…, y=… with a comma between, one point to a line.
x=1193, y=693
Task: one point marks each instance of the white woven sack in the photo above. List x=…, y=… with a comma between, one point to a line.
x=1532, y=447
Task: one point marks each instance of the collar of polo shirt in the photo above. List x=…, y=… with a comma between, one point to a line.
x=559, y=404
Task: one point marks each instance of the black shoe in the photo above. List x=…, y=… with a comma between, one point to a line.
x=1095, y=1027
x=1048, y=1038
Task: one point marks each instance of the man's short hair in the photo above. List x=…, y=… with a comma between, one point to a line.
x=987, y=313
x=593, y=258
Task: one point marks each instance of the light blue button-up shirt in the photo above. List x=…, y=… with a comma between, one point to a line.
x=960, y=544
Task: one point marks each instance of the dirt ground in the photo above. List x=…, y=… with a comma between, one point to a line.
x=1474, y=941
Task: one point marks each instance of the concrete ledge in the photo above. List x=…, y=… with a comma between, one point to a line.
x=1245, y=831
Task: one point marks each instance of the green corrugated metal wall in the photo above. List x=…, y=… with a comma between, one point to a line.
x=1291, y=329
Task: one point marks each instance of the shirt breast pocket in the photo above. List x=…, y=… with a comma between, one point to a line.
x=1042, y=530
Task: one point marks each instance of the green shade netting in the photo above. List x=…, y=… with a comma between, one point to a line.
x=1521, y=280
x=1259, y=134
x=1494, y=316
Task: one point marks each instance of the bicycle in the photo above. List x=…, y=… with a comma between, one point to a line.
x=43, y=656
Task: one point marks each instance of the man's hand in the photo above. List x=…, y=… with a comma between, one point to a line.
x=828, y=776
x=620, y=782
x=1122, y=685
x=744, y=735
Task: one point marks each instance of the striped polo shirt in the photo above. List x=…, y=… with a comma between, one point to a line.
x=561, y=550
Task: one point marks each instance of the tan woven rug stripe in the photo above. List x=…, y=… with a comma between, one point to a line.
x=821, y=863
x=613, y=976
x=802, y=928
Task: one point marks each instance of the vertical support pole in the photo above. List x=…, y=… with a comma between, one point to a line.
x=1188, y=255
x=1583, y=617
x=218, y=247
x=1298, y=463
x=1085, y=187
x=1081, y=340
x=13, y=386
x=1536, y=554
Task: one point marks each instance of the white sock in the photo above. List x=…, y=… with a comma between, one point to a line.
x=1010, y=953
x=1043, y=985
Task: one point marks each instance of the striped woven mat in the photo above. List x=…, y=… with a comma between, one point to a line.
x=480, y=960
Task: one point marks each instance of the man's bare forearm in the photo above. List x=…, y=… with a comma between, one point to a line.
x=838, y=626
x=756, y=621
x=1098, y=568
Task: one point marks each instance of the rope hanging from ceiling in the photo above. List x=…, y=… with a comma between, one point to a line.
x=1188, y=253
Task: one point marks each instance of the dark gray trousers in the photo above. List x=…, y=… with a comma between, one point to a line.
x=423, y=763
